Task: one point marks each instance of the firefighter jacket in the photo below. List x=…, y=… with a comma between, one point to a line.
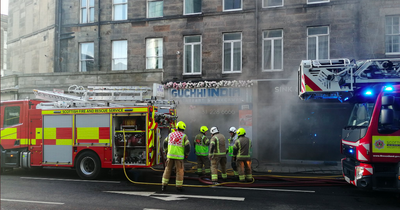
x=217, y=146
x=178, y=145
x=231, y=142
x=242, y=148
x=201, y=143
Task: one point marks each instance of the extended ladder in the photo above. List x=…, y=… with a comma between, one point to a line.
x=341, y=78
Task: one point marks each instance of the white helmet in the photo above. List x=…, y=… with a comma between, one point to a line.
x=214, y=130
x=232, y=129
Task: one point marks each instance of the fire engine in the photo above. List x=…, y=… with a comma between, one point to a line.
x=371, y=140
x=88, y=132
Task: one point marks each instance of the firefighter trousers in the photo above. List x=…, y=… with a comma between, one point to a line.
x=179, y=172
x=215, y=161
x=244, y=169
x=203, y=161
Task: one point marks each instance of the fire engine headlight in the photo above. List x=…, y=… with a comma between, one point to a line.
x=359, y=172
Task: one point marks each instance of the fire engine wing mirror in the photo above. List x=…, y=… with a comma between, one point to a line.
x=387, y=100
x=387, y=121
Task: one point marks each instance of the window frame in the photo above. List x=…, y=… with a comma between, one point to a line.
x=157, y=56
x=148, y=8
x=80, y=53
x=113, y=9
x=391, y=35
x=231, y=71
x=318, y=2
x=192, y=44
x=88, y=13
x=266, y=6
x=317, y=37
x=272, y=39
x=112, y=54
x=229, y=10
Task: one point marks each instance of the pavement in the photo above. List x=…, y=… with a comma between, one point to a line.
x=326, y=168
x=290, y=167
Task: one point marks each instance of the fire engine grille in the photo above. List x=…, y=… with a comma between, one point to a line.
x=349, y=168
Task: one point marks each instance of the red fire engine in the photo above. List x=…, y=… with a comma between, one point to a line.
x=88, y=133
x=371, y=139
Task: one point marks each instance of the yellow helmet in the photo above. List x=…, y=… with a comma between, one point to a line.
x=203, y=129
x=241, y=132
x=181, y=125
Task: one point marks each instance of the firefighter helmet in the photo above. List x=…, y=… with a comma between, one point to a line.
x=214, y=130
x=241, y=132
x=203, y=129
x=232, y=129
x=181, y=125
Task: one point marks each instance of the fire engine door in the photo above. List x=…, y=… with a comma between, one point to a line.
x=35, y=140
x=57, y=139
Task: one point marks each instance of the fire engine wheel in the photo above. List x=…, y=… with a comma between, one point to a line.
x=88, y=165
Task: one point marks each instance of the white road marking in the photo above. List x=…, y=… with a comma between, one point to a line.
x=25, y=201
x=71, y=180
x=265, y=189
x=174, y=197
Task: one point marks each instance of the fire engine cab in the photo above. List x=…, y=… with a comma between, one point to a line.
x=371, y=139
x=89, y=133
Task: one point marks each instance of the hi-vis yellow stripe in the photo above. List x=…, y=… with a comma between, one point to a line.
x=38, y=133
x=9, y=133
x=95, y=111
x=50, y=133
x=88, y=133
x=63, y=141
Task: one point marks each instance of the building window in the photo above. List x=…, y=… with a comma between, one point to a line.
x=392, y=35
x=318, y=43
x=155, y=8
x=120, y=55
x=230, y=5
x=87, y=11
x=272, y=50
x=86, y=58
x=272, y=3
x=192, y=7
x=317, y=1
x=154, y=53
x=120, y=11
x=232, y=62
x=192, y=55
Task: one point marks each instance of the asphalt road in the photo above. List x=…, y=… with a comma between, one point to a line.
x=62, y=189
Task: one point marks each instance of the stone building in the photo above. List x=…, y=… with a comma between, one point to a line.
x=54, y=44
x=3, y=48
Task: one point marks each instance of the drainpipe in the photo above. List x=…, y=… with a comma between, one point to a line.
x=98, y=36
x=58, y=40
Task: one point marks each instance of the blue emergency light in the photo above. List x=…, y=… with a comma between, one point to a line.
x=351, y=151
x=368, y=93
x=388, y=88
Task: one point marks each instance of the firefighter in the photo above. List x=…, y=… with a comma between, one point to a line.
x=217, y=155
x=201, y=143
x=231, y=142
x=241, y=153
x=178, y=149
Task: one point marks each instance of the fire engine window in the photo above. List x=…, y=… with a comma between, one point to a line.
x=11, y=115
x=396, y=110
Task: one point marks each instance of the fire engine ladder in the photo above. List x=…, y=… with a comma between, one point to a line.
x=340, y=78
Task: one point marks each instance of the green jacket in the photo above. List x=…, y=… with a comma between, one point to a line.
x=231, y=142
x=201, y=143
